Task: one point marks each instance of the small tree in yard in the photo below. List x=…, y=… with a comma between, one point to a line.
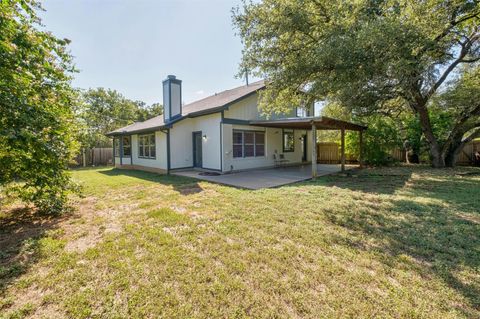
x=37, y=126
x=383, y=57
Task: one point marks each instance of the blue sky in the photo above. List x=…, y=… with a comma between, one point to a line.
x=131, y=46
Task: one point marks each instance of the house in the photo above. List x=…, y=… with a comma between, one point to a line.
x=224, y=132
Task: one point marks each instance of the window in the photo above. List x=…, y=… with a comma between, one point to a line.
x=126, y=146
x=288, y=141
x=146, y=146
x=302, y=112
x=237, y=144
x=116, y=147
x=127, y=150
x=248, y=144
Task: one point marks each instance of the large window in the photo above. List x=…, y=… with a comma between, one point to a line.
x=288, y=141
x=248, y=144
x=127, y=150
x=146, y=146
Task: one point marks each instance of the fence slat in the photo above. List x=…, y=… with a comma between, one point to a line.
x=97, y=156
x=328, y=153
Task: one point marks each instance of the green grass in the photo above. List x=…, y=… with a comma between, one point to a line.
x=388, y=243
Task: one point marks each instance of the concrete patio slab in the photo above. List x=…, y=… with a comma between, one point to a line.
x=265, y=178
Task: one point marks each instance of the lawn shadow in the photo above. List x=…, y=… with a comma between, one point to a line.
x=20, y=232
x=368, y=180
x=436, y=222
x=181, y=184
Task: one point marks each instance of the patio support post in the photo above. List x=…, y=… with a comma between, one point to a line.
x=314, y=150
x=113, y=151
x=360, y=156
x=121, y=150
x=342, y=149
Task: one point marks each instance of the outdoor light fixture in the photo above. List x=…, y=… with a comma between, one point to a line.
x=205, y=136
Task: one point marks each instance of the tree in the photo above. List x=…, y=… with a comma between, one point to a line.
x=460, y=104
x=36, y=119
x=373, y=56
x=103, y=110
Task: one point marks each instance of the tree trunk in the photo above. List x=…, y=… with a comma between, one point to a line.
x=438, y=159
x=453, y=152
x=436, y=155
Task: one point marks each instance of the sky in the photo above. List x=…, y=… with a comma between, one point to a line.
x=131, y=46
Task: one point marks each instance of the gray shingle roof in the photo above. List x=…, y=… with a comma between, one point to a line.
x=211, y=104
x=222, y=99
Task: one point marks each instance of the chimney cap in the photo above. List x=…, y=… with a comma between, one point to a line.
x=171, y=77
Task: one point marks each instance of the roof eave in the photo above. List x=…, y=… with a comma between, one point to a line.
x=145, y=130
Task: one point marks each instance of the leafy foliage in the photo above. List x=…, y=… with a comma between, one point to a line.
x=36, y=119
x=379, y=140
x=103, y=110
x=374, y=57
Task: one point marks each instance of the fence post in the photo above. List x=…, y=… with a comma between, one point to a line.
x=342, y=148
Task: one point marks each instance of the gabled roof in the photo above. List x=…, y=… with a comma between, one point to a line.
x=208, y=105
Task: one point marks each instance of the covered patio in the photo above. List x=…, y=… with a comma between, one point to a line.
x=278, y=176
x=265, y=178
x=314, y=124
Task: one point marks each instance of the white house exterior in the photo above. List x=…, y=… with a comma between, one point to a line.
x=223, y=132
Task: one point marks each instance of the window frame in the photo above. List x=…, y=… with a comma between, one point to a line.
x=288, y=132
x=129, y=146
x=254, y=144
x=142, y=145
x=116, y=147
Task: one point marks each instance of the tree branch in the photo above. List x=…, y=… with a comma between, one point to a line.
x=472, y=136
x=463, y=52
x=460, y=123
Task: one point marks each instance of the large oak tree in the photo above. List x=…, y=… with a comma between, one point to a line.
x=373, y=56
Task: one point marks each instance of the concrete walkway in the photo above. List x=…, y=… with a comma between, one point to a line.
x=266, y=178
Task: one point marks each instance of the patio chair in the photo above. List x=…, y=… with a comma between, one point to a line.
x=279, y=160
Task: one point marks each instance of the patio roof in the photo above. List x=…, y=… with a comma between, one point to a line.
x=305, y=123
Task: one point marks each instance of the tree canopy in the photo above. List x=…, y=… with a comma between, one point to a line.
x=100, y=111
x=36, y=117
x=372, y=56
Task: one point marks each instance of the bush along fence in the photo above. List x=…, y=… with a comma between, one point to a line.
x=98, y=156
x=329, y=153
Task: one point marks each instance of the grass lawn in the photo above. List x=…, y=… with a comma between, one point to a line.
x=388, y=243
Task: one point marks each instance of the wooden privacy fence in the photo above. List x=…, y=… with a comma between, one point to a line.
x=329, y=153
x=467, y=156
x=97, y=156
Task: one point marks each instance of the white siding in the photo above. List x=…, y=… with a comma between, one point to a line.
x=160, y=148
x=273, y=145
x=181, y=141
x=247, y=109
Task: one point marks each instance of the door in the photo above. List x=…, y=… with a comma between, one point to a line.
x=304, y=148
x=197, y=149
